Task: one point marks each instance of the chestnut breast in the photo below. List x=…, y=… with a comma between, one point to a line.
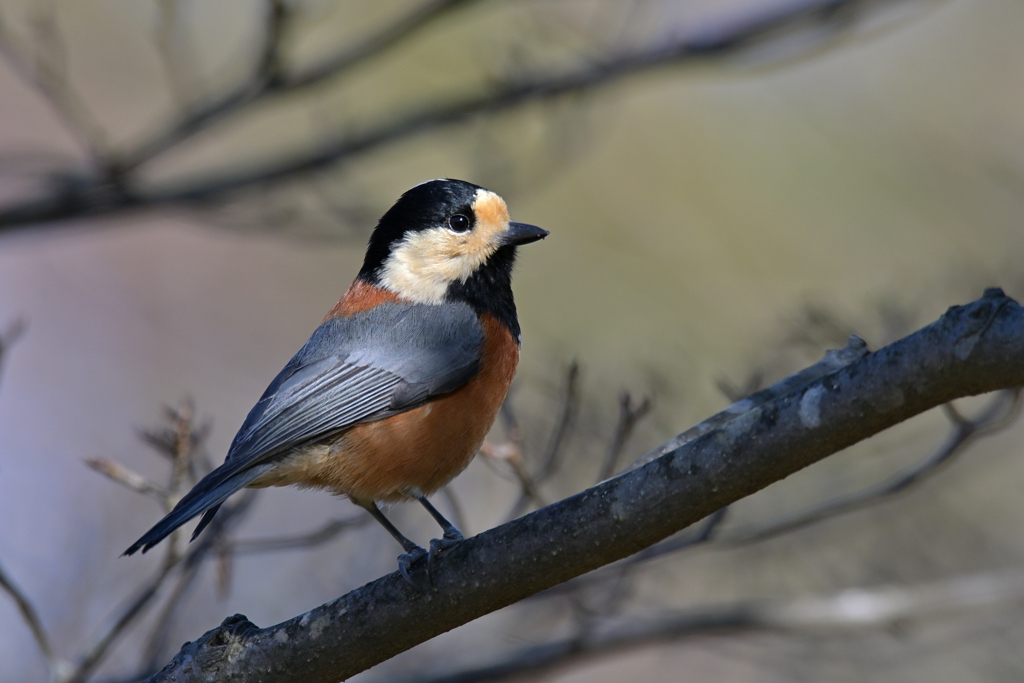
x=422, y=448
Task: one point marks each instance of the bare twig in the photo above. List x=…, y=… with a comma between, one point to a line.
x=854, y=350
x=9, y=336
x=549, y=462
x=860, y=608
x=510, y=455
x=276, y=81
x=58, y=667
x=738, y=392
x=329, y=531
x=566, y=418
x=705, y=533
x=174, y=55
x=134, y=607
x=1001, y=412
x=212, y=541
x=110, y=190
x=45, y=68
x=181, y=442
x=270, y=64
x=629, y=416
x=127, y=477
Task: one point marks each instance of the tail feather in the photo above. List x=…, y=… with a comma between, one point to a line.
x=201, y=499
x=207, y=518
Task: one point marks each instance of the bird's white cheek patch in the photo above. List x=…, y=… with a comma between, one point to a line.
x=422, y=266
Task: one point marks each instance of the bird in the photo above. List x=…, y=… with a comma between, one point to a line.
x=392, y=395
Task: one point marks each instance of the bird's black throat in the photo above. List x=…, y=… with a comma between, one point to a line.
x=489, y=289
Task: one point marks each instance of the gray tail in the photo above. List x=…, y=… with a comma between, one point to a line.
x=205, y=497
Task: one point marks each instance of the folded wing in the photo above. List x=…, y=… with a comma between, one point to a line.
x=355, y=369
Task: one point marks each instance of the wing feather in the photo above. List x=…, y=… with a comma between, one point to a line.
x=364, y=367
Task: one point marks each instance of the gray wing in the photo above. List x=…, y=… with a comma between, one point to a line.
x=360, y=368
x=356, y=369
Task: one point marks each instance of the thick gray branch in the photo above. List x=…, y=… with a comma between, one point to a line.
x=972, y=349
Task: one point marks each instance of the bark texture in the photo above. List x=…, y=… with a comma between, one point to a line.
x=970, y=350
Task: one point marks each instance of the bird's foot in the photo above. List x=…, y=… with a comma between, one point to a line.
x=407, y=566
x=451, y=537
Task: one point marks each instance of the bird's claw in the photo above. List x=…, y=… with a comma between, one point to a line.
x=439, y=545
x=406, y=564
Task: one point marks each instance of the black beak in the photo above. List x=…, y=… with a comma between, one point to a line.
x=521, y=233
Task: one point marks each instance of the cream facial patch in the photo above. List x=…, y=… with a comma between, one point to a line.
x=422, y=266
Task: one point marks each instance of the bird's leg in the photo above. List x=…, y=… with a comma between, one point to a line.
x=451, y=534
x=413, y=553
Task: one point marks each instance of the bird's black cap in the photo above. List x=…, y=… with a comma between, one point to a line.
x=427, y=205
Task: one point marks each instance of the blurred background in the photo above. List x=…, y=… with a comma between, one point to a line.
x=731, y=188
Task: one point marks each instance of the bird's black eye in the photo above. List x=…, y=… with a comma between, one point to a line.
x=458, y=223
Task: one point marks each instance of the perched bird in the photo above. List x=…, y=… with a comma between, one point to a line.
x=393, y=394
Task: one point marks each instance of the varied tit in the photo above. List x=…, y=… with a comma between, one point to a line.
x=393, y=394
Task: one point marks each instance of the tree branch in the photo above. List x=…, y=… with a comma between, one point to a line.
x=549, y=461
x=972, y=349
x=851, y=609
x=112, y=189
x=59, y=667
x=275, y=81
x=1000, y=413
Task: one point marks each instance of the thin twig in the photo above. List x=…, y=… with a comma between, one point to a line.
x=174, y=57
x=9, y=336
x=270, y=63
x=45, y=68
x=859, y=608
x=1000, y=413
x=1004, y=408
x=510, y=456
x=182, y=443
x=628, y=419
x=566, y=418
x=126, y=477
x=260, y=87
x=330, y=530
x=705, y=533
x=618, y=573
x=833, y=360
x=110, y=191
x=153, y=650
x=144, y=596
x=58, y=666
x=212, y=540
x=549, y=462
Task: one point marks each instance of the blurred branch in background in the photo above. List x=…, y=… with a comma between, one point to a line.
x=862, y=608
x=181, y=442
x=8, y=337
x=553, y=451
x=114, y=180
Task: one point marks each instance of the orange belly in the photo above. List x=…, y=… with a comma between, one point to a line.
x=423, y=448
